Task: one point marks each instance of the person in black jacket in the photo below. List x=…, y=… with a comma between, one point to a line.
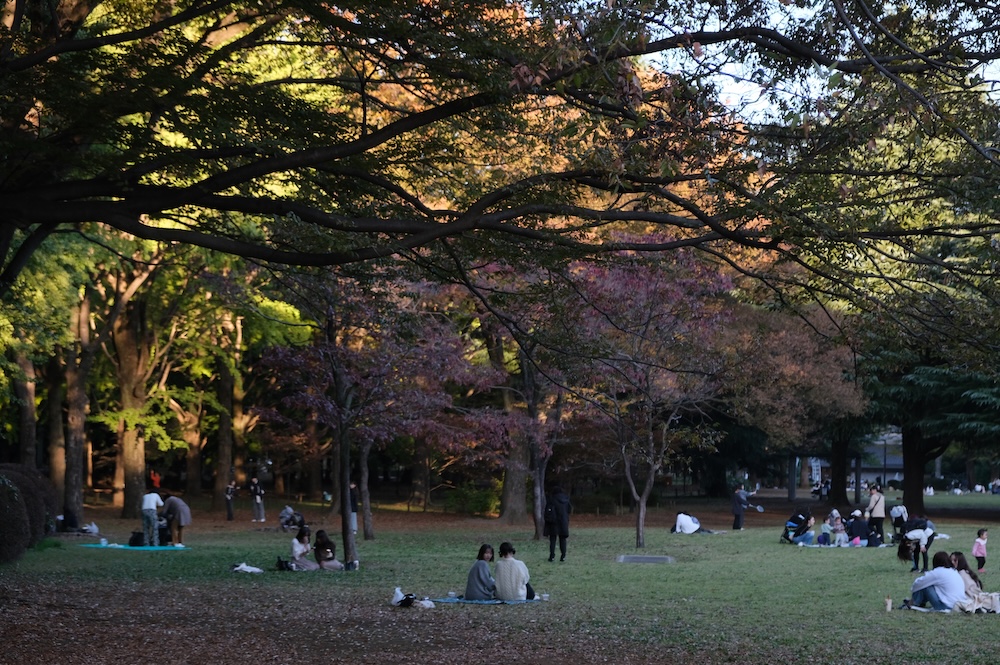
x=557, y=510
x=857, y=530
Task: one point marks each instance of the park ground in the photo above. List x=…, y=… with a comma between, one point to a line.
x=65, y=604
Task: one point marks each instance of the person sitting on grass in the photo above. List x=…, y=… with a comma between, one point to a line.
x=804, y=535
x=512, y=576
x=481, y=585
x=687, y=523
x=857, y=530
x=300, y=551
x=940, y=588
x=326, y=552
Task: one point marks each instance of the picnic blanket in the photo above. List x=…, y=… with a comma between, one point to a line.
x=146, y=548
x=485, y=602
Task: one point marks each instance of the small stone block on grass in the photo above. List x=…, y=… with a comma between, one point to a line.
x=645, y=558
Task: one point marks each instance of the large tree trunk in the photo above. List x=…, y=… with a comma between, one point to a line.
x=192, y=461
x=350, y=545
x=24, y=390
x=224, y=469
x=132, y=356
x=792, y=477
x=640, y=524
x=513, y=497
x=76, y=418
x=839, y=451
x=190, y=425
x=243, y=423
x=57, y=430
x=364, y=496
x=79, y=360
x=118, y=479
x=913, y=470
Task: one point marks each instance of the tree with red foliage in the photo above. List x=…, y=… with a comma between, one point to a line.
x=377, y=368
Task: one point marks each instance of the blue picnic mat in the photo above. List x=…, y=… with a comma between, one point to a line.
x=148, y=548
x=484, y=602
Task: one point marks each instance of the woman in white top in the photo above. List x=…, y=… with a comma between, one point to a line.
x=512, y=576
x=301, y=549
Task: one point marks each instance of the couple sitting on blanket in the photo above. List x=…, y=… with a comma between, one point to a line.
x=511, y=581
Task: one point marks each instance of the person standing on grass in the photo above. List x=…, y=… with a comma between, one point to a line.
x=512, y=576
x=876, y=511
x=230, y=495
x=178, y=516
x=257, y=497
x=918, y=536
x=150, y=529
x=940, y=588
x=557, y=510
x=979, y=549
x=353, y=493
x=741, y=501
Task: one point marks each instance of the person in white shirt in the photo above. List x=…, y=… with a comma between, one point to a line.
x=301, y=548
x=687, y=523
x=150, y=529
x=940, y=588
x=512, y=576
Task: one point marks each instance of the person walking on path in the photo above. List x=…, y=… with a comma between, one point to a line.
x=557, y=510
x=257, y=497
x=876, y=511
x=741, y=501
x=178, y=516
x=150, y=529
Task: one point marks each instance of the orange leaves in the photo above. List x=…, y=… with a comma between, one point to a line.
x=525, y=78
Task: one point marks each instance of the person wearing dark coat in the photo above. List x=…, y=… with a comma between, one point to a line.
x=557, y=510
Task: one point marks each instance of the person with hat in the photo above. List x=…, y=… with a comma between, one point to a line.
x=857, y=530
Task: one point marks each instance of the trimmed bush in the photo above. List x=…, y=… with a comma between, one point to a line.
x=14, y=530
x=46, y=490
x=33, y=503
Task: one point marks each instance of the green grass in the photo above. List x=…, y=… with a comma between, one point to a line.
x=733, y=597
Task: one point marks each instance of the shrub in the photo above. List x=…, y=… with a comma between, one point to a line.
x=14, y=529
x=33, y=502
x=46, y=490
x=471, y=500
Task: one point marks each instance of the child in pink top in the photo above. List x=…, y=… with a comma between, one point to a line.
x=979, y=549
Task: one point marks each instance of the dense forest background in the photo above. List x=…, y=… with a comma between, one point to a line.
x=460, y=251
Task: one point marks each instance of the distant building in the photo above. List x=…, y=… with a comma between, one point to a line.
x=882, y=461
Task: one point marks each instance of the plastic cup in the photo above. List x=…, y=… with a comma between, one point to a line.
x=452, y=594
x=545, y=596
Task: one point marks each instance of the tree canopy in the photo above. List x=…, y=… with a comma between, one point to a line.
x=305, y=133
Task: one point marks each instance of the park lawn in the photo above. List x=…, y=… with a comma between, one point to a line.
x=734, y=597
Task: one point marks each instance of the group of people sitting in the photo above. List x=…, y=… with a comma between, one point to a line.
x=951, y=584
x=509, y=582
x=323, y=550
x=854, y=531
